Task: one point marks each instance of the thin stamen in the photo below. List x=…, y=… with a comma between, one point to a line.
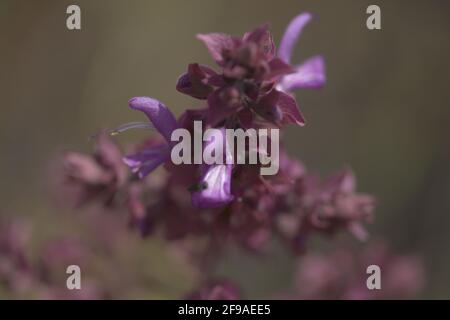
x=125, y=127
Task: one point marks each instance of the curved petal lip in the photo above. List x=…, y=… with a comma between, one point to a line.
x=309, y=75
x=291, y=35
x=147, y=160
x=158, y=114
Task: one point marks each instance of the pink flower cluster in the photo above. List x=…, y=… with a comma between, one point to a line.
x=42, y=277
x=227, y=201
x=342, y=274
x=233, y=203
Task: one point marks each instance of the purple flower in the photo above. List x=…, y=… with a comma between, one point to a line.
x=95, y=176
x=311, y=73
x=215, y=186
x=281, y=108
x=163, y=120
x=326, y=207
x=198, y=81
x=341, y=205
x=214, y=189
x=246, y=86
x=216, y=290
x=337, y=275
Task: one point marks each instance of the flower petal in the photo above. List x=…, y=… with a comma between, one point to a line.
x=277, y=68
x=291, y=36
x=267, y=107
x=262, y=37
x=85, y=168
x=158, y=114
x=215, y=187
x=147, y=160
x=290, y=110
x=219, y=107
x=343, y=181
x=216, y=43
x=309, y=75
x=195, y=82
x=110, y=155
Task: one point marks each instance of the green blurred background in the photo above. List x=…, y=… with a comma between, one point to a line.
x=384, y=111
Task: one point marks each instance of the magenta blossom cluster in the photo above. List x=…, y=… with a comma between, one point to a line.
x=225, y=203
x=201, y=208
x=219, y=289
x=341, y=274
x=42, y=277
x=252, y=89
x=338, y=275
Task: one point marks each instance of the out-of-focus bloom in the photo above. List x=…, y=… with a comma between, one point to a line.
x=139, y=214
x=216, y=290
x=24, y=277
x=61, y=253
x=334, y=204
x=342, y=275
x=96, y=176
x=309, y=74
x=15, y=269
x=325, y=207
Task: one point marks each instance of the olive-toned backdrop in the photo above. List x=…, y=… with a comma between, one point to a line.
x=384, y=111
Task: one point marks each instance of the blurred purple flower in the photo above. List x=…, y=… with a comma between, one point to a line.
x=309, y=74
x=216, y=290
x=341, y=274
x=99, y=175
x=25, y=278
x=220, y=204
